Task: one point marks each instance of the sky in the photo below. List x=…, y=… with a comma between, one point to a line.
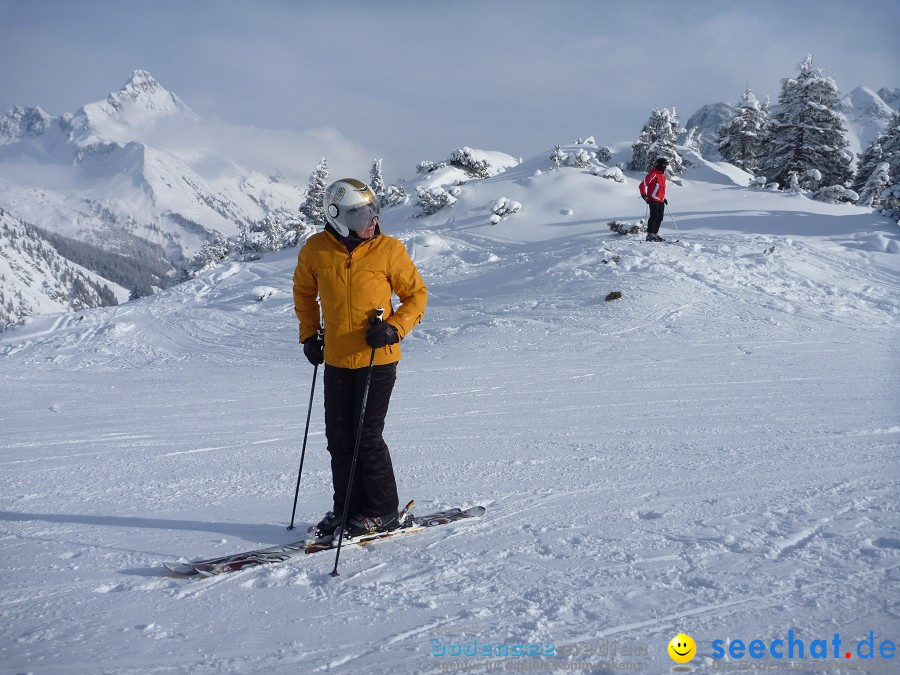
x=412, y=80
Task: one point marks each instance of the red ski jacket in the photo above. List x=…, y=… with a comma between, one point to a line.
x=654, y=185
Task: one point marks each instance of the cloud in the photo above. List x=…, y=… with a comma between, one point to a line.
x=291, y=153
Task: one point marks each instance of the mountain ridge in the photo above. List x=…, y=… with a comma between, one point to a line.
x=106, y=174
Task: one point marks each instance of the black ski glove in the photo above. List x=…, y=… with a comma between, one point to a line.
x=381, y=334
x=666, y=202
x=313, y=349
x=645, y=198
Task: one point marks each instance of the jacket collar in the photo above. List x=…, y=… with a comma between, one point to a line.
x=352, y=241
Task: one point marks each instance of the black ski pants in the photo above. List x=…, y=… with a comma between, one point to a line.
x=656, y=216
x=374, y=490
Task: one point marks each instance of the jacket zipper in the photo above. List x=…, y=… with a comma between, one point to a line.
x=349, y=291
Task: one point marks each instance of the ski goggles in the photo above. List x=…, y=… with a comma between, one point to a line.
x=360, y=217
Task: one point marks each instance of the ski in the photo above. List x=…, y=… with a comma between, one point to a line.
x=280, y=553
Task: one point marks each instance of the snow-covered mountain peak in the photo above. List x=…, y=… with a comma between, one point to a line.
x=706, y=122
x=19, y=122
x=129, y=112
x=864, y=100
x=867, y=115
x=144, y=90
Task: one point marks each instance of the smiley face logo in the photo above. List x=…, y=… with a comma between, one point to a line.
x=682, y=648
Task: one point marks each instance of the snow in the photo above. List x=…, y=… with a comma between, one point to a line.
x=715, y=453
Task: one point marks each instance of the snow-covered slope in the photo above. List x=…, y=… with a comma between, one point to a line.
x=714, y=453
x=36, y=279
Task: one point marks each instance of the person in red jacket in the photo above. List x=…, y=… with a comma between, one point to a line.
x=653, y=191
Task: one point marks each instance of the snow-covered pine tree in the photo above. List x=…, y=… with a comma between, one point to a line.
x=558, y=157
x=214, y=249
x=464, y=158
x=740, y=140
x=271, y=233
x=869, y=160
x=873, y=190
x=296, y=230
x=312, y=208
x=246, y=243
x=872, y=177
x=657, y=139
x=376, y=180
x=394, y=195
x=427, y=166
x=890, y=203
x=580, y=160
x=807, y=132
x=432, y=200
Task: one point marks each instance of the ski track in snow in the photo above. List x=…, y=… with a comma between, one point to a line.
x=716, y=453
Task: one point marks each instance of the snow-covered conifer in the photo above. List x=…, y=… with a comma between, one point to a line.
x=879, y=165
x=376, y=180
x=271, y=233
x=214, y=249
x=807, y=132
x=464, y=158
x=610, y=173
x=394, y=195
x=580, y=160
x=246, y=242
x=878, y=182
x=432, y=200
x=870, y=159
x=836, y=194
x=427, y=166
x=890, y=203
x=504, y=207
x=658, y=139
x=312, y=208
x=740, y=140
x=558, y=158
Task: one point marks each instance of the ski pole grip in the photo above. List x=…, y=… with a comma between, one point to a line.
x=379, y=312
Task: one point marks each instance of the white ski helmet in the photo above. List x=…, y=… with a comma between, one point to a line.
x=350, y=204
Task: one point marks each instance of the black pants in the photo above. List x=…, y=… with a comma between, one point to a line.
x=656, y=217
x=374, y=491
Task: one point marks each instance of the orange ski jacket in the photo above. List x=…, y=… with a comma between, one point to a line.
x=654, y=185
x=349, y=286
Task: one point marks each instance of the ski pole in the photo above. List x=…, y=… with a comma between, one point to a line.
x=320, y=335
x=379, y=312
x=672, y=218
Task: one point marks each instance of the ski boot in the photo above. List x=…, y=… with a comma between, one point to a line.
x=323, y=531
x=361, y=526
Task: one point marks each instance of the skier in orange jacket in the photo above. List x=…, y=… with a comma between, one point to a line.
x=345, y=272
x=653, y=191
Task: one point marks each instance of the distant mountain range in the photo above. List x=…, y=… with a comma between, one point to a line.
x=123, y=175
